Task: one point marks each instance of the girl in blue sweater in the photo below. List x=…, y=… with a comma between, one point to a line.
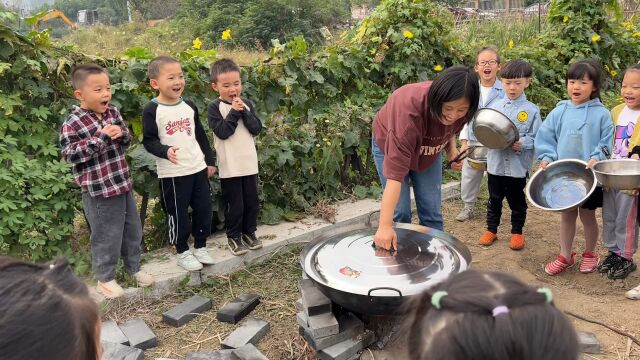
x=578, y=128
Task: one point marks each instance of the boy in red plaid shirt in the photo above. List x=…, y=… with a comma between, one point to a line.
x=94, y=139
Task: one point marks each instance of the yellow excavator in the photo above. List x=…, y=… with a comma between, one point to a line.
x=52, y=14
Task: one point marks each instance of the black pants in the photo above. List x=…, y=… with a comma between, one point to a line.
x=178, y=193
x=513, y=189
x=241, y=204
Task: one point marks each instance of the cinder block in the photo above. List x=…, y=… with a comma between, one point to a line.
x=350, y=326
x=215, y=355
x=314, y=301
x=588, y=342
x=251, y=331
x=348, y=348
x=183, y=313
x=299, y=306
x=139, y=334
x=302, y=320
x=323, y=325
x=111, y=332
x=247, y=352
x=115, y=351
x=238, y=308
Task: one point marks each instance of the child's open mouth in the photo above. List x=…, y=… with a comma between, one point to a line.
x=178, y=89
x=104, y=103
x=487, y=71
x=629, y=99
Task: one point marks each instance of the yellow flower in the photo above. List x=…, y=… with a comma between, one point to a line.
x=606, y=67
x=197, y=44
x=407, y=34
x=328, y=142
x=511, y=44
x=595, y=38
x=565, y=19
x=437, y=68
x=613, y=73
x=226, y=35
x=636, y=34
x=287, y=90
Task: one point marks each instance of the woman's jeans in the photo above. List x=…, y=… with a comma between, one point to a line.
x=426, y=191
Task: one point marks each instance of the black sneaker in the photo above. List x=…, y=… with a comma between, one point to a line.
x=622, y=270
x=236, y=246
x=251, y=241
x=609, y=262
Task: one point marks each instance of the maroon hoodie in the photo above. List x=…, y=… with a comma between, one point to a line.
x=408, y=137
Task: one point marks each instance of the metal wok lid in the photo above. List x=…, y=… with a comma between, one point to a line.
x=349, y=262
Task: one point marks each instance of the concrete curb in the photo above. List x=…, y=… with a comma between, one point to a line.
x=162, y=265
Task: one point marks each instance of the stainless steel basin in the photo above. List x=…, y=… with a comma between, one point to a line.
x=494, y=129
x=619, y=174
x=563, y=185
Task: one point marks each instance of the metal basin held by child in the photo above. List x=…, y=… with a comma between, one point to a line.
x=494, y=129
x=563, y=185
x=478, y=158
x=619, y=174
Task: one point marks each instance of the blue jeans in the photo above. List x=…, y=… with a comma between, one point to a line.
x=426, y=191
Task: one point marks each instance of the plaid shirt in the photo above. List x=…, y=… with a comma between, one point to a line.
x=99, y=164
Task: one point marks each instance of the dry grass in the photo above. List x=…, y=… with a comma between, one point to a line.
x=275, y=280
x=325, y=210
x=164, y=38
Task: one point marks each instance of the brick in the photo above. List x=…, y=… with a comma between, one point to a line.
x=588, y=342
x=247, y=352
x=139, y=334
x=237, y=309
x=314, y=301
x=115, y=351
x=251, y=331
x=111, y=332
x=350, y=327
x=348, y=348
x=323, y=325
x=185, y=312
x=215, y=355
x=299, y=305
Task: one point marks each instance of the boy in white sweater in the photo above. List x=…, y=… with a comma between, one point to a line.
x=172, y=131
x=235, y=124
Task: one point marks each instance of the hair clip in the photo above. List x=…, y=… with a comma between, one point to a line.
x=547, y=294
x=436, y=297
x=500, y=310
x=51, y=266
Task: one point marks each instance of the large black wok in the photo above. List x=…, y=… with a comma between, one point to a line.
x=349, y=270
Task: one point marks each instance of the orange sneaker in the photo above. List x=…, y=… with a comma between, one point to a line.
x=517, y=242
x=487, y=238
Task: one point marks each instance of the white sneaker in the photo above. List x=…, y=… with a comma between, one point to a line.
x=143, y=279
x=110, y=289
x=465, y=214
x=203, y=256
x=187, y=261
x=634, y=294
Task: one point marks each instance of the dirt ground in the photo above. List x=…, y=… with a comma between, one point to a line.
x=592, y=295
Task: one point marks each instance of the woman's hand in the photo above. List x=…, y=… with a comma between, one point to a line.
x=386, y=238
x=591, y=163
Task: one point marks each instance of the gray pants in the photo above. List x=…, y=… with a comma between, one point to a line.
x=620, y=228
x=470, y=184
x=115, y=230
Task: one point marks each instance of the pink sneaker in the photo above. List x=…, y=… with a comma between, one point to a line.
x=559, y=265
x=590, y=262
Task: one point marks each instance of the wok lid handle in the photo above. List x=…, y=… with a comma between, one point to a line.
x=383, y=288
